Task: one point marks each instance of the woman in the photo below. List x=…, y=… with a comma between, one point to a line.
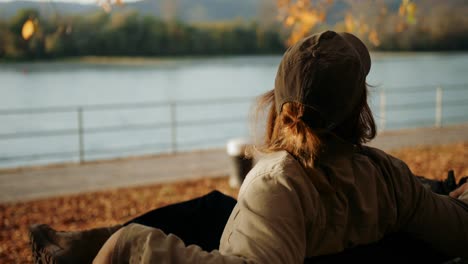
x=316, y=189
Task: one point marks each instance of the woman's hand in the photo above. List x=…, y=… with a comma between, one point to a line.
x=459, y=191
x=105, y=253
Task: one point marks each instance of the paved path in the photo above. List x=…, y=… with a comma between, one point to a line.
x=33, y=183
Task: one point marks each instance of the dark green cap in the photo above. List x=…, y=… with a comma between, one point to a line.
x=325, y=72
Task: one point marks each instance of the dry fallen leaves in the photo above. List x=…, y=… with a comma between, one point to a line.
x=83, y=211
x=434, y=162
x=104, y=208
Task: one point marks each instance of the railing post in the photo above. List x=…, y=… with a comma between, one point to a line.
x=173, y=106
x=438, y=107
x=80, y=134
x=383, y=110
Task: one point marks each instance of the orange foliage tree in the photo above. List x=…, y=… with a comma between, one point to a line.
x=363, y=17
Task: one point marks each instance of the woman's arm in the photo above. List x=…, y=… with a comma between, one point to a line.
x=136, y=243
x=439, y=220
x=105, y=253
x=461, y=193
x=268, y=227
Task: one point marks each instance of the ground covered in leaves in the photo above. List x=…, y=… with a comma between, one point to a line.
x=75, y=212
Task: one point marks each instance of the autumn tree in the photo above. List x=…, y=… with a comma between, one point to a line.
x=365, y=18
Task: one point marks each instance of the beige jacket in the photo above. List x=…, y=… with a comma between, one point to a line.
x=284, y=214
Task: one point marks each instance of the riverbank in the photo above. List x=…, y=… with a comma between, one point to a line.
x=113, y=206
x=21, y=184
x=155, y=60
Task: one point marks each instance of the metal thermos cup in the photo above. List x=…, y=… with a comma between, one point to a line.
x=240, y=165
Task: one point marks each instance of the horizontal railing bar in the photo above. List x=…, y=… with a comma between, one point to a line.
x=425, y=104
x=203, y=141
x=413, y=121
x=38, y=156
x=44, y=133
x=126, y=106
x=97, y=107
x=410, y=106
x=104, y=151
x=113, y=106
x=92, y=130
x=452, y=117
x=73, y=153
x=233, y=100
x=45, y=110
x=455, y=88
x=404, y=89
x=455, y=103
x=211, y=121
x=137, y=127
x=128, y=148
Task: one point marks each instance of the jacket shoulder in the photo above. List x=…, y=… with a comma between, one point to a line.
x=381, y=157
x=275, y=164
x=273, y=168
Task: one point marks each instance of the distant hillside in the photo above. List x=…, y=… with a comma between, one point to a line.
x=187, y=10
x=8, y=9
x=201, y=10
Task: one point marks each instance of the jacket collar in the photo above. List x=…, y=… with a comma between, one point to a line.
x=333, y=149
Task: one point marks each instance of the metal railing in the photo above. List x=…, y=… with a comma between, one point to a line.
x=438, y=103
x=81, y=131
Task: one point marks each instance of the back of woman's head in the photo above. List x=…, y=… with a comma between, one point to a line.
x=320, y=89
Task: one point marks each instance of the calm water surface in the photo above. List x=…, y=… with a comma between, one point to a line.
x=408, y=79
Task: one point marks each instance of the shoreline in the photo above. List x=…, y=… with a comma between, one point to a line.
x=387, y=140
x=149, y=60
x=22, y=184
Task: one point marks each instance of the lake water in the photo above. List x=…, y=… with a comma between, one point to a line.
x=125, y=110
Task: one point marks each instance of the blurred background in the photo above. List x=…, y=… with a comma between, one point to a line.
x=84, y=80
x=111, y=108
